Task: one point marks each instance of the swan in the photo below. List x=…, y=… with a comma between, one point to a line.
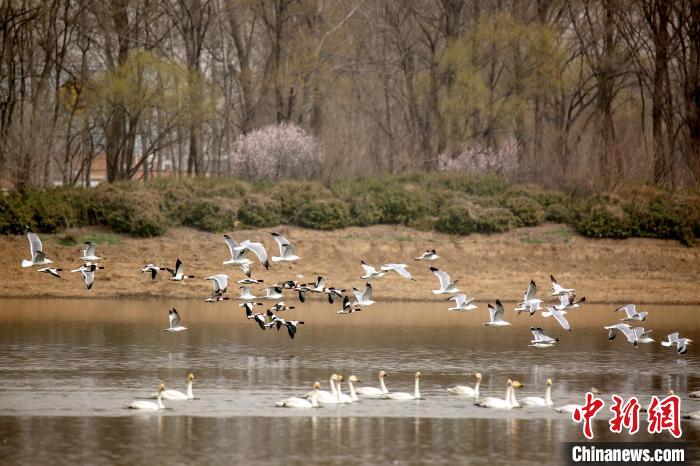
x=692, y=415
x=144, y=405
x=569, y=409
x=695, y=394
x=508, y=402
x=325, y=396
x=537, y=401
x=404, y=395
x=353, y=395
x=295, y=402
x=466, y=390
x=176, y=395
x=374, y=392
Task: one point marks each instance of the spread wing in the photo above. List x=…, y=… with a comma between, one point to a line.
x=531, y=291
x=460, y=300
x=258, y=249
x=282, y=242
x=492, y=313
x=442, y=276
x=629, y=309
x=369, y=270
x=368, y=292
x=174, y=317
x=498, y=315
x=398, y=268
x=179, y=268
x=34, y=244
x=560, y=318
x=90, y=249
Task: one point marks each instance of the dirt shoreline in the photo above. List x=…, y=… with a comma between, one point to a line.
x=638, y=270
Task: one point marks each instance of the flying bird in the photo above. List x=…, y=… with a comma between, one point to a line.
x=681, y=343
x=347, y=307
x=174, y=320
x=371, y=272
x=35, y=249
x=258, y=317
x=286, y=249
x=559, y=316
x=529, y=302
x=541, y=339
x=256, y=248
x=429, y=255
x=153, y=269
x=447, y=286
x=52, y=271
x=568, y=301
x=220, y=283
x=557, y=289
x=398, y=268
x=89, y=252
x=272, y=292
x=363, y=298
x=496, y=315
x=462, y=303
x=88, y=271
x=236, y=254
x=632, y=313
x=178, y=274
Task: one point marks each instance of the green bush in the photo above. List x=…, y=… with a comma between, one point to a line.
x=604, y=221
x=211, y=215
x=128, y=209
x=324, y=215
x=456, y=221
x=257, y=211
x=14, y=213
x=365, y=211
x=496, y=220
x=528, y=211
x=659, y=218
x=558, y=213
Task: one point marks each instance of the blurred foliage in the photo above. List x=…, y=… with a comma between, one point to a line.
x=447, y=202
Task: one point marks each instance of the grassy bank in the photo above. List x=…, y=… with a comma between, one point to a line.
x=638, y=270
x=449, y=203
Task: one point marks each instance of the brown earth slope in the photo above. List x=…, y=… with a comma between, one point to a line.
x=487, y=267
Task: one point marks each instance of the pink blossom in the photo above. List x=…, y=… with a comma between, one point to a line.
x=479, y=159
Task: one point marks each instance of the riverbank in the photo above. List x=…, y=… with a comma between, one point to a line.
x=635, y=270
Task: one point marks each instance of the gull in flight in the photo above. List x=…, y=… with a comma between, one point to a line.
x=286, y=249
x=333, y=293
x=398, y=268
x=279, y=307
x=559, y=315
x=430, y=255
x=153, y=269
x=272, y=292
x=447, y=286
x=246, y=295
x=89, y=252
x=557, y=289
x=319, y=286
x=363, y=298
x=681, y=343
x=347, y=307
x=371, y=272
x=236, y=254
x=567, y=301
x=35, y=249
x=174, y=319
x=634, y=335
x=529, y=303
x=250, y=281
x=462, y=303
x=88, y=271
x=178, y=274
x=256, y=248
x=220, y=283
x=496, y=315
x=52, y=271
x=541, y=339
x=632, y=313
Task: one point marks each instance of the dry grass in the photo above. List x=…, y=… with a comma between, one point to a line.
x=488, y=267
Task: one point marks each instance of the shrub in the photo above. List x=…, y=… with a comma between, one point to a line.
x=527, y=210
x=14, y=213
x=257, y=211
x=365, y=211
x=496, y=220
x=324, y=215
x=659, y=218
x=558, y=213
x=603, y=221
x=128, y=208
x=400, y=206
x=213, y=215
x=277, y=152
x=456, y=221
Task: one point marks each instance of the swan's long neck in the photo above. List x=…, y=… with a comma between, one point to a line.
x=513, y=402
x=548, y=395
x=333, y=389
x=159, y=400
x=314, y=398
x=353, y=395
x=508, y=390
x=382, y=387
x=339, y=391
x=190, y=395
x=476, y=387
x=416, y=391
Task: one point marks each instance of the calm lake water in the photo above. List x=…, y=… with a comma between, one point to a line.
x=69, y=367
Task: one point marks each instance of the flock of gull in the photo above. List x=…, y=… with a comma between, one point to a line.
x=240, y=256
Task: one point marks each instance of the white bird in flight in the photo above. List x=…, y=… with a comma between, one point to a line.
x=236, y=254
x=496, y=315
x=363, y=298
x=632, y=313
x=286, y=249
x=36, y=250
x=178, y=273
x=559, y=316
x=398, y=268
x=429, y=255
x=347, y=307
x=153, y=269
x=174, y=320
x=272, y=292
x=557, y=289
x=447, y=286
x=256, y=248
x=246, y=295
x=462, y=303
x=371, y=272
x=541, y=339
x=89, y=252
x=681, y=343
x=51, y=271
x=220, y=283
x=529, y=302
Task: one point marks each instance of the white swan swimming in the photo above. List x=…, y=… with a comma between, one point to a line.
x=144, y=405
x=570, y=408
x=539, y=401
x=404, y=395
x=353, y=395
x=509, y=402
x=295, y=402
x=374, y=392
x=176, y=395
x=466, y=390
x=325, y=396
